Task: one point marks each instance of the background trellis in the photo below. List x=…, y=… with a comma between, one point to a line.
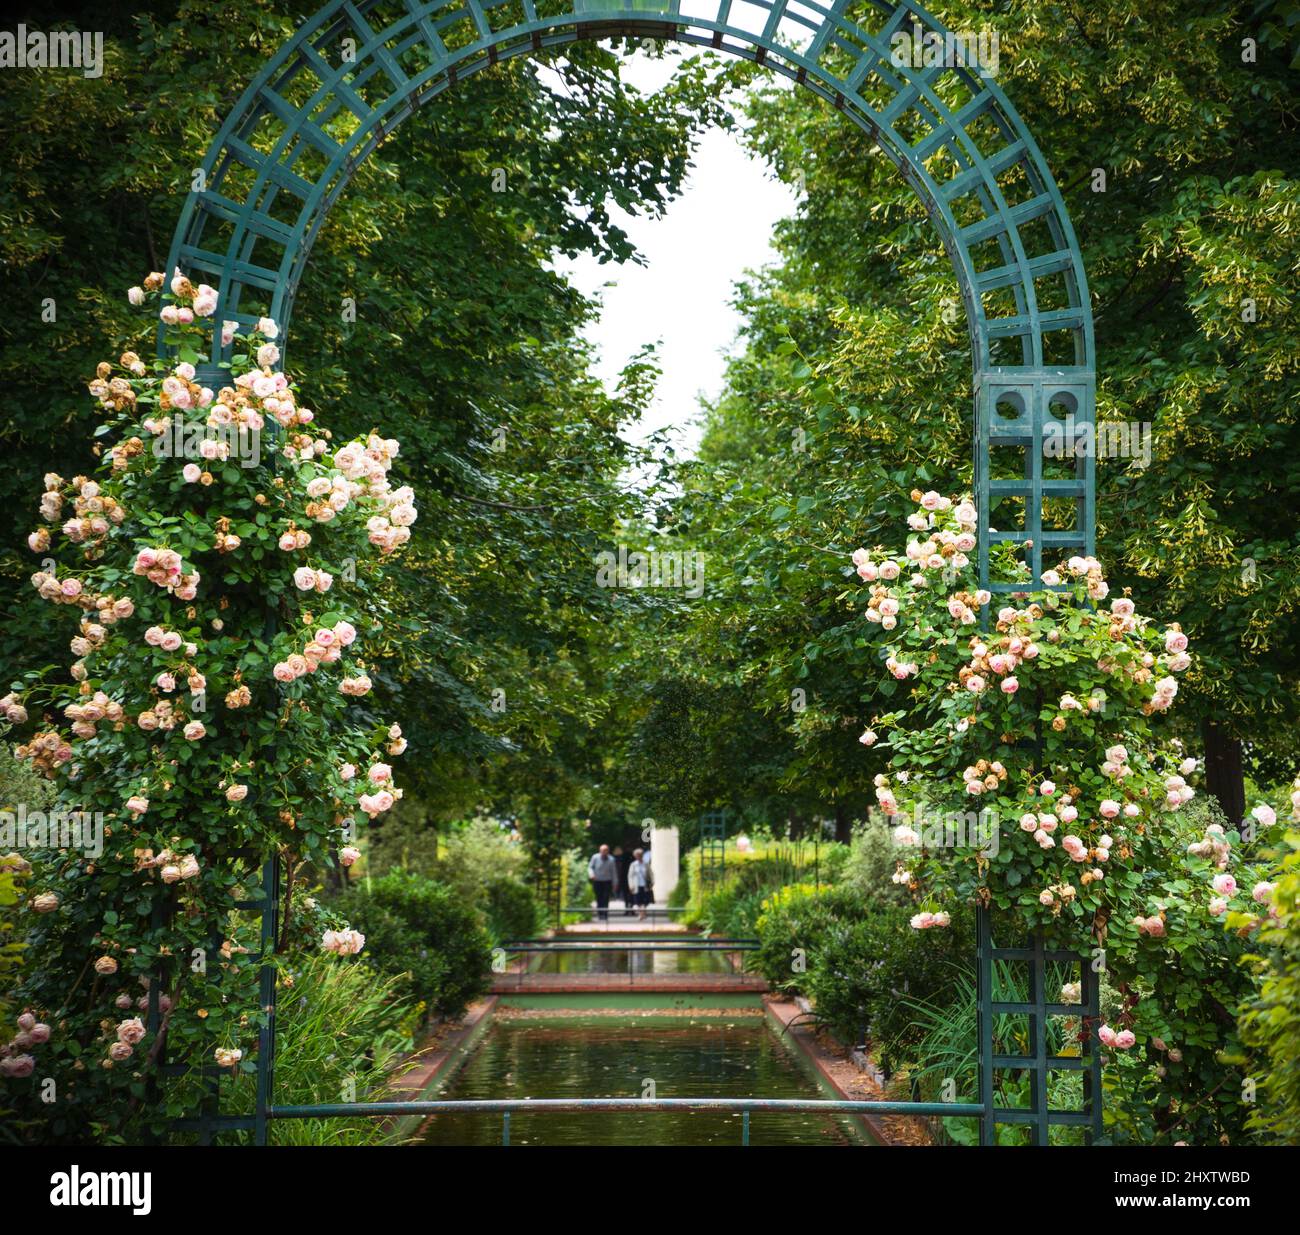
x=357, y=68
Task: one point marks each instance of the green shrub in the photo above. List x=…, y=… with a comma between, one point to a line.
x=475, y=855
x=792, y=927
x=868, y=972
x=870, y=864
x=513, y=911
x=426, y=934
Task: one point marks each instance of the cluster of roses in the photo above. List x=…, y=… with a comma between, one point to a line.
x=171, y=867
x=943, y=549
x=346, y=942
x=324, y=648
x=202, y=299
x=1013, y=650
x=15, y=1057
x=983, y=776
x=383, y=792
x=12, y=710
x=48, y=751
x=94, y=512
x=165, y=569
x=86, y=717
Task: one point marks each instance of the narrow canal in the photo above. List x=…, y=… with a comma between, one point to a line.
x=612, y=1056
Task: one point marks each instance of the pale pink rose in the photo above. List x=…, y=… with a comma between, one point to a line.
x=194, y=731
x=1010, y=686
x=868, y=738
x=1107, y=1035
x=349, y=854
x=46, y=902
x=1218, y=907
x=236, y=793
x=135, y=295
x=170, y=873
x=1047, y=788
x=137, y=805
x=1264, y=815
x=1224, y=885
x=346, y=632
x=1262, y=891
x=119, y=1051
x=189, y=866
x=1125, y=1039
x=1175, y=641
x=380, y=773
x=131, y=1031
x=1109, y=808
x=304, y=578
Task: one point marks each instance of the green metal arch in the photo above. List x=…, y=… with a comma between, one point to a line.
x=357, y=68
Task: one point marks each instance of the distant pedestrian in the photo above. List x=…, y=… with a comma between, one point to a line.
x=602, y=870
x=640, y=882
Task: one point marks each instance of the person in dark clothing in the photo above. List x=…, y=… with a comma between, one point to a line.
x=602, y=870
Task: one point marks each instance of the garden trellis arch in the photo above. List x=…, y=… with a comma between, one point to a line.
x=357, y=68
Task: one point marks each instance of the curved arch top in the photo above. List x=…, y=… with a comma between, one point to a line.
x=356, y=69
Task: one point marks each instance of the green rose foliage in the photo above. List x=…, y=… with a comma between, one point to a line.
x=1028, y=773
x=216, y=571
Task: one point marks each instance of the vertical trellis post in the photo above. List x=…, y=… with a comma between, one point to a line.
x=1038, y=1061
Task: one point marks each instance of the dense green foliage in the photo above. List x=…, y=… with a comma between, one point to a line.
x=424, y=934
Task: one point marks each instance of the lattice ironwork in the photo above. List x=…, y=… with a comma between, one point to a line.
x=353, y=72
x=356, y=69
x=1036, y=1010
x=713, y=848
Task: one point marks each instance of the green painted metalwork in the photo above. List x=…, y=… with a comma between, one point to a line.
x=354, y=71
x=1037, y=1063
x=357, y=68
x=713, y=848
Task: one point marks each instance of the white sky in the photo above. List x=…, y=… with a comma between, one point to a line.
x=718, y=228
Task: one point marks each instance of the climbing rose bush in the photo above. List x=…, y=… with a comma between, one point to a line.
x=1028, y=773
x=216, y=572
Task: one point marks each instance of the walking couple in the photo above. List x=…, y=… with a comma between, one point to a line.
x=602, y=870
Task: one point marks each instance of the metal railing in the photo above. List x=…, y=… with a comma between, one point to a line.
x=508, y=1106
x=557, y=947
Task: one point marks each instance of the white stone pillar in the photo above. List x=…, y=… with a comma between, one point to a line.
x=665, y=861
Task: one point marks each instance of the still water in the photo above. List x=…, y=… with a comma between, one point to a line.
x=610, y=959
x=609, y=1057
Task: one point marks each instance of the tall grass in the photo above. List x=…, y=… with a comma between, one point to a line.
x=949, y=1046
x=340, y=1035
